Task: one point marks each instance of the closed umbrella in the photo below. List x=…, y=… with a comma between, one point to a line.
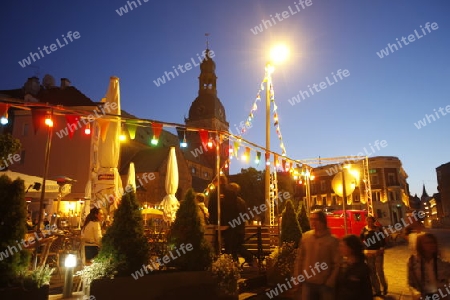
x=132, y=176
x=106, y=148
x=170, y=203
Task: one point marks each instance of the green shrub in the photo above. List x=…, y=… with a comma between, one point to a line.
x=124, y=241
x=290, y=229
x=187, y=229
x=13, y=217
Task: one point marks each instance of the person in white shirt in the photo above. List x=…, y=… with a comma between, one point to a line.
x=91, y=233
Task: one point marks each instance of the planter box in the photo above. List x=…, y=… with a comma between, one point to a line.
x=168, y=285
x=19, y=293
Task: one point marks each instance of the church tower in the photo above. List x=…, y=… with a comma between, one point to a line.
x=206, y=112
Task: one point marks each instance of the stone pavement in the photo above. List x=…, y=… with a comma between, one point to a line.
x=395, y=261
x=395, y=266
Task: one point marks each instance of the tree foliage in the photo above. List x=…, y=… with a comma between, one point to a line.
x=290, y=229
x=187, y=229
x=13, y=218
x=251, y=182
x=285, y=184
x=303, y=219
x=124, y=240
x=8, y=145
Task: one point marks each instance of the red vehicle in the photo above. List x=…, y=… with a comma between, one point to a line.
x=356, y=220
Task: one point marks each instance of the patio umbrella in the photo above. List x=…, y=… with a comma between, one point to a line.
x=152, y=212
x=132, y=176
x=170, y=203
x=106, y=149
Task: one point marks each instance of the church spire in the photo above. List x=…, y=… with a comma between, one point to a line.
x=424, y=193
x=207, y=78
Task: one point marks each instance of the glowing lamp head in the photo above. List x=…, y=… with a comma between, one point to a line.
x=87, y=129
x=183, y=144
x=70, y=261
x=122, y=137
x=154, y=141
x=49, y=122
x=4, y=120
x=279, y=53
x=210, y=143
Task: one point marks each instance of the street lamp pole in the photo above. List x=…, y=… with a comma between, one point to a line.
x=268, y=79
x=44, y=178
x=344, y=200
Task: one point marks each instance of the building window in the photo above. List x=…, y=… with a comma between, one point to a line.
x=313, y=188
x=323, y=186
x=391, y=179
x=206, y=175
x=392, y=196
x=355, y=198
x=374, y=179
x=324, y=199
x=372, y=171
x=376, y=196
x=25, y=129
x=334, y=199
x=314, y=200
x=194, y=170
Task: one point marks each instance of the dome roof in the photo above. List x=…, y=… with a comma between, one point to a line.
x=207, y=106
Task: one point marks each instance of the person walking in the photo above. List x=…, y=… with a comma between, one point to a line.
x=412, y=232
x=374, y=241
x=428, y=273
x=318, y=247
x=353, y=281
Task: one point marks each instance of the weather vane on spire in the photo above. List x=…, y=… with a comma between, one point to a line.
x=207, y=40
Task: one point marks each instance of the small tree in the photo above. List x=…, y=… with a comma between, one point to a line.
x=303, y=219
x=124, y=241
x=187, y=229
x=8, y=145
x=290, y=229
x=13, y=218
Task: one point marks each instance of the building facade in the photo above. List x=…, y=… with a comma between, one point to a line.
x=389, y=189
x=443, y=179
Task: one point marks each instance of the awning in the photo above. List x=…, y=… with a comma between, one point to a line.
x=33, y=185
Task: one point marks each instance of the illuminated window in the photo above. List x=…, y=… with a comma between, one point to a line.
x=376, y=196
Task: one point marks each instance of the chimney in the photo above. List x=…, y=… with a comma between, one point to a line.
x=32, y=86
x=64, y=83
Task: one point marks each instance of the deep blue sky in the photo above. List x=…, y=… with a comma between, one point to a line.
x=380, y=100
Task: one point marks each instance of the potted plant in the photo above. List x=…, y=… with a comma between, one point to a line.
x=290, y=229
x=226, y=271
x=188, y=230
x=280, y=264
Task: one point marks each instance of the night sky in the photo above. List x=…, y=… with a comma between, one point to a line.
x=383, y=96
